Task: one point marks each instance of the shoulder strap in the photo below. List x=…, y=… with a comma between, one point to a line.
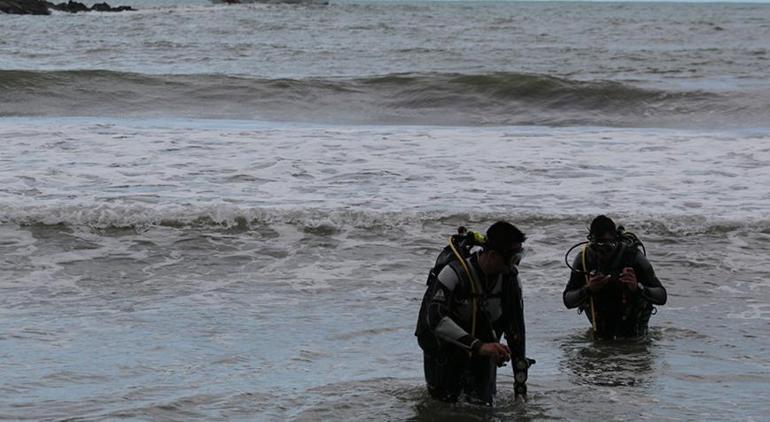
x=472, y=282
x=583, y=254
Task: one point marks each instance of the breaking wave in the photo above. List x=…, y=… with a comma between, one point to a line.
x=137, y=217
x=436, y=98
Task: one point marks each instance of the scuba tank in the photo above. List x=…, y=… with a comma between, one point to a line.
x=464, y=243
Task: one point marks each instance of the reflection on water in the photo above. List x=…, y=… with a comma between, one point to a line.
x=624, y=362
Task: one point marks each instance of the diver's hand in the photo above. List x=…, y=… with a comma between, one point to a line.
x=628, y=278
x=499, y=353
x=597, y=282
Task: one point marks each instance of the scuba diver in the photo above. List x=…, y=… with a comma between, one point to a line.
x=612, y=282
x=474, y=296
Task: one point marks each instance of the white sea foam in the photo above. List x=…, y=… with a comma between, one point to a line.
x=118, y=174
x=753, y=311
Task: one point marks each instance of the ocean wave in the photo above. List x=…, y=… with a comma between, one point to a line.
x=325, y=221
x=436, y=98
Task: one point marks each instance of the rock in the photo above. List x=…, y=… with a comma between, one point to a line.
x=104, y=7
x=24, y=7
x=101, y=7
x=42, y=7
x=71, y=6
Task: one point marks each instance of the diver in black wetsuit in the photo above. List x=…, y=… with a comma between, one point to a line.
x=613, y=282
x=468, y=305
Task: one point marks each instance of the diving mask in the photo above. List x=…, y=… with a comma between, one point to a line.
x=513, y=257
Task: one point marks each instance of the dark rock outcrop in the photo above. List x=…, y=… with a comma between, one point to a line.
x=24, y=7
x=70, y=6
x=104, y=7
x=42, y=7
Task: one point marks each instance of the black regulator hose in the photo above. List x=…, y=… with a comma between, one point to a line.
x=566, y=256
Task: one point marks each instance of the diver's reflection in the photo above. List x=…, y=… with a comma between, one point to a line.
x=620, y=362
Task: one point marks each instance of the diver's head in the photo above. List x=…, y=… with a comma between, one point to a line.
x=503, y=249
x=603, y=236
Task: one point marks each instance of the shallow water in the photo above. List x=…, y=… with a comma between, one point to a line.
x=233, y=270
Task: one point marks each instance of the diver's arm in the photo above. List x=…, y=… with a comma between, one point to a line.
x=515, y=331
x=438, y=315
x=649, y=286
x=515, y=335
x=576, y=291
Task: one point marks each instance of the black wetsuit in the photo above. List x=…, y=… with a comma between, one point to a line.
x=619, y=312
x=444, y=331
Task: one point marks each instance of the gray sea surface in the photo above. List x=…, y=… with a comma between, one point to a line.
x=228, y=212
x=563, y=64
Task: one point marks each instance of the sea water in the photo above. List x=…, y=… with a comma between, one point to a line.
x=228, y=212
